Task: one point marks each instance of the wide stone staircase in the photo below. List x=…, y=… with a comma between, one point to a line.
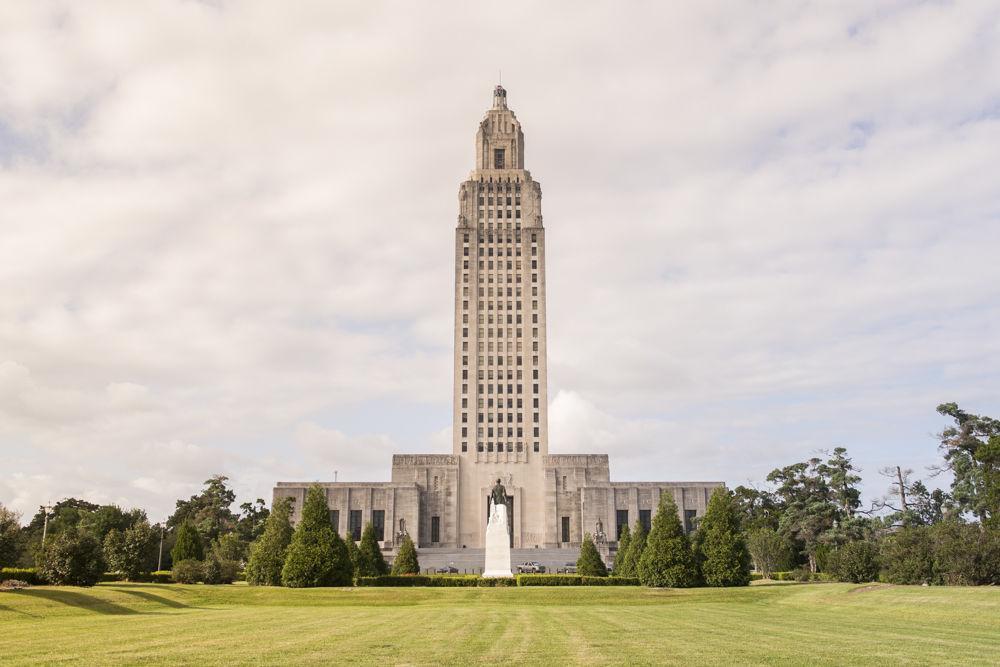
x=471, y=561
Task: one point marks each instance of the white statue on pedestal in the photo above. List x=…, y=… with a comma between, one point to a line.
x=498, y=535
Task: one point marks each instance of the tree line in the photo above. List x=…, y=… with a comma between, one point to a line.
x=808, y=520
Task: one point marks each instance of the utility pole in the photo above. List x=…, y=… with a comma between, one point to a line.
x=159, y=558
x=45, y=524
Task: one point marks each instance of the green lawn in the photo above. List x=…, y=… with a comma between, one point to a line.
x=773, y=624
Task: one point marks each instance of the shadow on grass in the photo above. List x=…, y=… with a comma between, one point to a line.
x=5, y=608
x=79, y=600
x=156, y=599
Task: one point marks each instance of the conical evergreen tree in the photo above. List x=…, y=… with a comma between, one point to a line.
x=353, y=554
x=371, y=563
x=317, y=556
x=267, y=553
x=723, y=553
x=623, y=544
x=636, y=545
x=667, y=559
x=188, y=545
x=589, y=564
x=406, y=559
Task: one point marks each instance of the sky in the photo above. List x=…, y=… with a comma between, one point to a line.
x=226, y=234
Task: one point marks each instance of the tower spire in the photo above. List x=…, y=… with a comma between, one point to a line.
x=499, y=97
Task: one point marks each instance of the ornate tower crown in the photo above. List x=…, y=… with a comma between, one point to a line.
x=499, y=141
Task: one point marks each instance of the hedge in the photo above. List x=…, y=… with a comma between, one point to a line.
x=26, y=574
x=433, y=581
x=475, y=581
x=573, y=580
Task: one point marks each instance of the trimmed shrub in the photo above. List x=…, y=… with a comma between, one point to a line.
x=589, y=563
x=29, y=575
x=573, y=580
x=371, y=562
x=549, y=580
x=317, y=556
x=267, y=553
x=411, y=580
x=220, y=571
x=188, y=571
x=496, y=582
x=188, y=545
x=667, y=560
x=725, y=560
x=160, y=577
x=406, y=561
x=71, y=559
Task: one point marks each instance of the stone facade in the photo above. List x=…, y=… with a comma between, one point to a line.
x=500, y=392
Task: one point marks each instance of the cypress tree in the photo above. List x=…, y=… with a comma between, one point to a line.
x=723, y=553
x=667, y=559
x=353, y=554
x=623, y=544
x=636, y=546
x=589, y=564
x=406, y=559
x=267, y=553
x=316, y=556
x=371, y=563
x=188, y=545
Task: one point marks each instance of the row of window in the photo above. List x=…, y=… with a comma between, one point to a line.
x=499, y=213
x=488, y=360
x=497, y=333
x=354, y=523
x=500, y=446
x=500, y=201
x=645, y=518
x=488, y=433
x=499, y=374
x=501, y=238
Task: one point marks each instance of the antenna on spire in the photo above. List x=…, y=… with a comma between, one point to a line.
x=500, y=76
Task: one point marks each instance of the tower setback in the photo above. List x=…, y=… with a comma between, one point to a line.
x=500, y=427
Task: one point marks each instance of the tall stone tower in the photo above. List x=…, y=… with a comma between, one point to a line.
x=500, y=400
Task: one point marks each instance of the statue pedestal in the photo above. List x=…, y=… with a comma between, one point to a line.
x=497, y=544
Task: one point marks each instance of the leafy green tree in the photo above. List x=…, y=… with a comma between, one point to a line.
x=808, y=508
x=316, y=556
x=856, y=562
x=972, y=453
x=353, y=554
x=767, y=549
x=406, y=559
x=229, y=547
x=128, y=552
x=630, y=558
x=590, y=564
x=966, y=554
x=220, y=570
x=667, y=559
x=10, y=529
x=106, y=518
x=842, y=481
x=267, y=553
x=756, y=508
x=371, y=563
x=209, y=510
x=724, y=558
x=188, y=545
x=71, y=558
x=907, y=556
x=251, y=520
x=623, y=543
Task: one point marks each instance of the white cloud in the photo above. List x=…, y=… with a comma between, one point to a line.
x=227, y=232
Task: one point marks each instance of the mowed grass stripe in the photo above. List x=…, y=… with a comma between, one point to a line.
x=816, y=624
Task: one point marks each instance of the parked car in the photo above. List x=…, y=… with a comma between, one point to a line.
x=447, y=569
x=568, y=568
x=531, y=567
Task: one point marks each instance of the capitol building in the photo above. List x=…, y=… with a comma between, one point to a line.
x=500, y=397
